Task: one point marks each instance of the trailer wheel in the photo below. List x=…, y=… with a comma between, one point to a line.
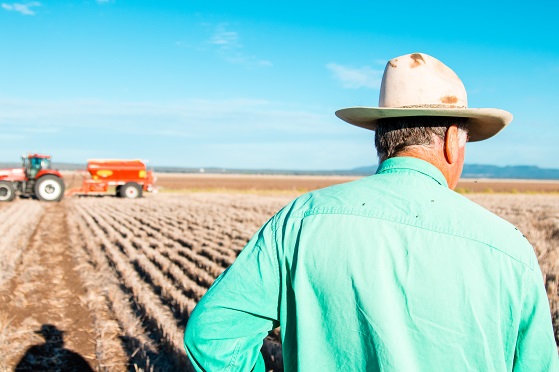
x=131, y=190
x=7, y=192
x=49, y=188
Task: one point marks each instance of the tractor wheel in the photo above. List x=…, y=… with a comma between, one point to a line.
x=118, y=188
x=49, y=188
x=7, y=192
x=131, y=190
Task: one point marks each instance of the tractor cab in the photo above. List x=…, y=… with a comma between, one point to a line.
x=34, y=179
x=34, y=163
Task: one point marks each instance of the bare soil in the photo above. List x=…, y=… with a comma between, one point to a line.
x=206, y=182
x=507, y=186
x=107, y=284
x=302, y=183
x=41, y=309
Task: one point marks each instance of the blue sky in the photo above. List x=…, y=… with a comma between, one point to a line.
x=255, y=84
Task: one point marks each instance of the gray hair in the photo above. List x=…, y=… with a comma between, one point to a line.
x=393, y=135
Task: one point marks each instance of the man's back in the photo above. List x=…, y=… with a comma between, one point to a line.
x=406, y=275
x=391, y=272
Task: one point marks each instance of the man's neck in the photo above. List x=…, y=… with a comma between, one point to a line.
x=430, y=156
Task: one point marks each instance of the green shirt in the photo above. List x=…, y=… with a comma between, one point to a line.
x=393, y=272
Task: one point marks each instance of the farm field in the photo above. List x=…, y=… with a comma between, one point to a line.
x=295, y=183
x=110, y=282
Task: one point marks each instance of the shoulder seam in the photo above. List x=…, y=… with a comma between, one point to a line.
x=401, y=221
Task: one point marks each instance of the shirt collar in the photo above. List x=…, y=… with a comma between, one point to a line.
x=403, y=163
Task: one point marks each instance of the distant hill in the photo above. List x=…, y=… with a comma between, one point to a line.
x=527, y=172
x=488, y=171
x=470, y=171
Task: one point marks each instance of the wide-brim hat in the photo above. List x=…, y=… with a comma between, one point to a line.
x=420, y=85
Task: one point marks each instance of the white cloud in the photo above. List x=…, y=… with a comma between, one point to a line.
x=192, y=118
x=225, y=39
x=297, y=155
x=23, y=8
x=355, y=78
x=230, y=48
x=233, y=132
x=11, y=137
x=249, y=61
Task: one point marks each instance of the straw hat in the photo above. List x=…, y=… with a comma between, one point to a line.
x=420, y=85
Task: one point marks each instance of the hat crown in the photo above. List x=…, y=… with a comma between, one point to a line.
x=419, y=80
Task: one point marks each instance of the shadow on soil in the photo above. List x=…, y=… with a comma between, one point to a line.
x=52, y=356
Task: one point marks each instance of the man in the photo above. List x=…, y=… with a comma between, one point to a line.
x=393, y=272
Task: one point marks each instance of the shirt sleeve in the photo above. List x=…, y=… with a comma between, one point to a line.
x=226, y=329
x=536, y=349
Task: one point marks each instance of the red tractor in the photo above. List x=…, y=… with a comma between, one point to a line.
x=34, y=179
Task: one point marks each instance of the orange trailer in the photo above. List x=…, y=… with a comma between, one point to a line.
x=129, y=177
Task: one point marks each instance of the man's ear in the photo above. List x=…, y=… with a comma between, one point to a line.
x=451, y=144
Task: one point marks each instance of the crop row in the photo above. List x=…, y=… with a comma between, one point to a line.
x=19, y=220
x=147, y=264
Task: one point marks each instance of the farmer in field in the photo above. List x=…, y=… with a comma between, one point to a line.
x=393, y=272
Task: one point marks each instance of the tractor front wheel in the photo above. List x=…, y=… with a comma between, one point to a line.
x=7, y=192
x=49, y=188
x=131, y=190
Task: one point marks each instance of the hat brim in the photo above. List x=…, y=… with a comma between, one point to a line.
x=484, y=123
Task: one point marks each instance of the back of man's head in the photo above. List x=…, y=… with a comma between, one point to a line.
x=394, y=136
